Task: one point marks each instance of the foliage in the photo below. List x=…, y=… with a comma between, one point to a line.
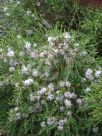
x=94, y=101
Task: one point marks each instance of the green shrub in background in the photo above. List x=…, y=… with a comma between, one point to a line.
x=92, y=27
x=50, y=69
x=46, y=13
x=30, y=19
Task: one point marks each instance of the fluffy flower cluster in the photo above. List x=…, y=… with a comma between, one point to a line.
x=52, y=121
x=10, y=53
x=28, y=82
x=91, y=75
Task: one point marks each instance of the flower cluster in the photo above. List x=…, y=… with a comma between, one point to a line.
x=91, y=75
x=52, y=121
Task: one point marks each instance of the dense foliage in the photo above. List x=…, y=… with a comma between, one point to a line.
x=51, y=69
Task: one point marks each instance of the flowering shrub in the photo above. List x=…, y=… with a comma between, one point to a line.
x=50, y=78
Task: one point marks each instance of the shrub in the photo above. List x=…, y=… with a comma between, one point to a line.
x=48, y=79
x=49, y=65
